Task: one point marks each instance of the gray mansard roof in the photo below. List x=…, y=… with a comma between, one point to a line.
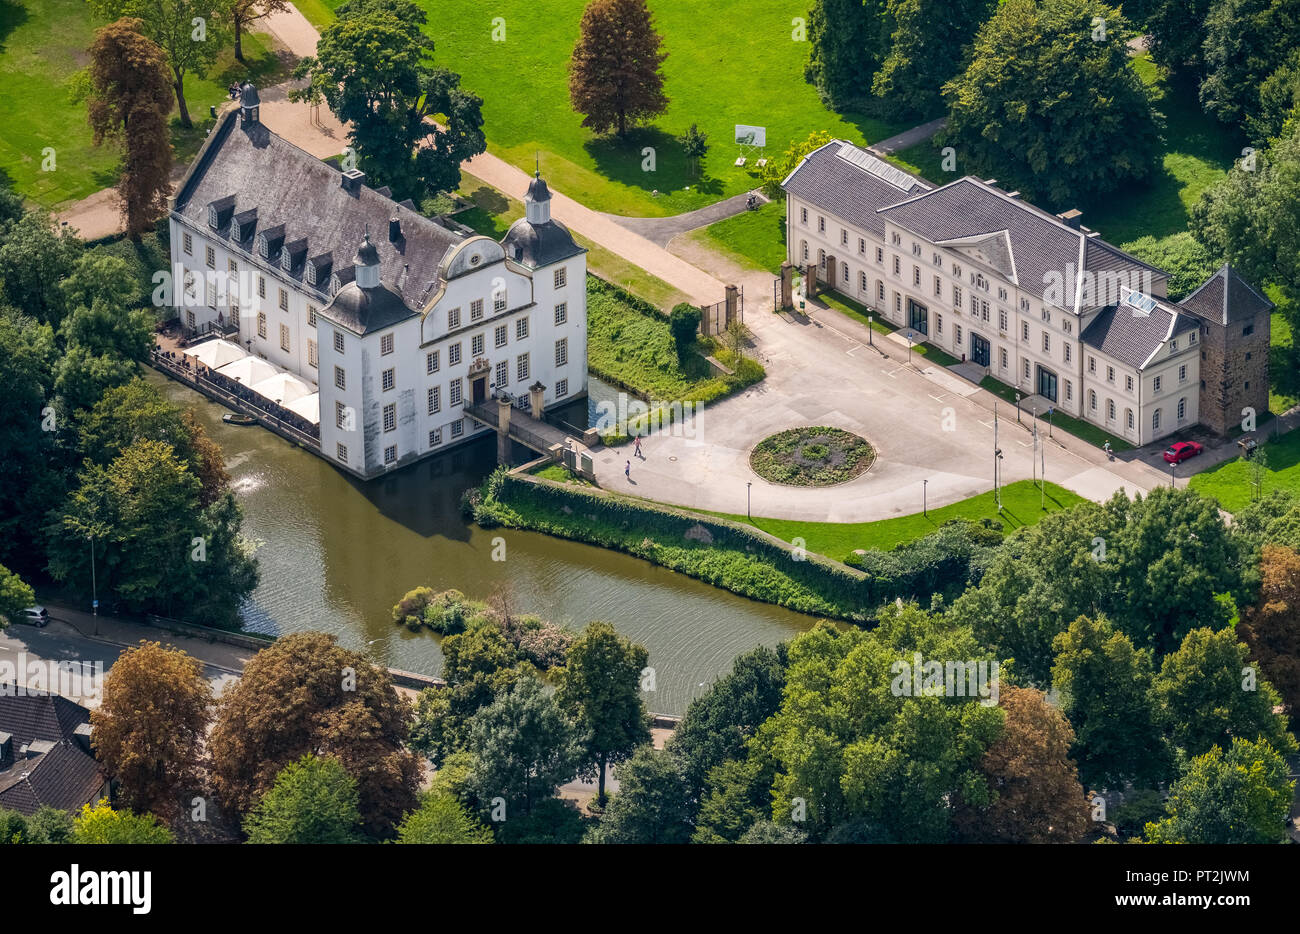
x=300, y=198
x=1226, y=298
x=1039, y=247
x=365, y=310
x=1124, y=333
x=851, y=183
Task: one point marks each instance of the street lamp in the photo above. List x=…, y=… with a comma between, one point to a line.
x=1017, y=407
x=1050, y=410
x=925, y=505
x=909, y=347
x=1172, y=468
x=749, y=484
x=870, y=339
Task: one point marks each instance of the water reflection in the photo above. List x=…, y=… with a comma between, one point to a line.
x=337, y=553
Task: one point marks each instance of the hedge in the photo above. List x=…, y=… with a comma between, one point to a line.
x=728, y=554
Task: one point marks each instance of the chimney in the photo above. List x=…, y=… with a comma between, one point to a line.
x=82, y=737
x=353, y=179
x=1071, y=218
x=394, y=229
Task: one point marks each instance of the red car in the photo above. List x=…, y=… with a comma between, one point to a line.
x=1179, y=451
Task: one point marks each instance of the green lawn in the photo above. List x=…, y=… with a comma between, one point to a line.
x=42, y=47
x=494, y=212
x=729, y=62
x=1198, y=152
x=1059, y=421
x=837, y=540
x=1284, y=358
x=754, y=238
x=1230, y=482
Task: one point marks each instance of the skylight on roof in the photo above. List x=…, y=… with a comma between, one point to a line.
x=1143, y=303
x=877, y=167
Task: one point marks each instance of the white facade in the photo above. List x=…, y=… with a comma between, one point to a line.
x=955, y=296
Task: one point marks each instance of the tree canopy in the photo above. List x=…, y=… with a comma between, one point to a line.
x=615, y=79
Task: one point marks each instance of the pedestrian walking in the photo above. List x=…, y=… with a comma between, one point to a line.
x=627, y=470
x=636, y=445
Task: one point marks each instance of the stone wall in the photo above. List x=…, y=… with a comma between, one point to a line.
x=1234, y=372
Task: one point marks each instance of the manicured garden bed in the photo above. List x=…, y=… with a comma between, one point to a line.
x=817, y=456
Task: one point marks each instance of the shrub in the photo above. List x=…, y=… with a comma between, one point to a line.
x=685, y=324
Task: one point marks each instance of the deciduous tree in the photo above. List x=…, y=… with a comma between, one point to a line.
x=148, y=731
x=651, y=804
x=441, y=819
x=1048, y=108
x=15, y=596
x=600, y=690
x=847, y=40
x=614, y=76
x=243, y=13
x=1241, y=796
x=1036, y=795
x=306, y=694
x=186, y=30
x=130, y=100
x=103, y=824
x=373, y=66
x=524, y=748
x=1271, y=628
x=929, y=43
x=313, y=800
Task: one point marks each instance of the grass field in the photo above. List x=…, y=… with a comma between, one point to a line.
x=1198, y=152
x=494, y=212
x=754, y=238
x=1230, y=482
x=42, y=48
x=729, y=62
x=837, y=540
x=859, y=312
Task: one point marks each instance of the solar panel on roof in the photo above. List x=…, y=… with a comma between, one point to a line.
x=877, y=167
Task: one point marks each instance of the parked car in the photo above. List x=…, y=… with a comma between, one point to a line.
x=34, y=616
x=1179, y=451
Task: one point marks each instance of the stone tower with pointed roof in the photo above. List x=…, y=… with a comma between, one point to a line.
x=1234, y=349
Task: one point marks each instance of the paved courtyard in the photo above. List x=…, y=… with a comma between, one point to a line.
x=932, y=430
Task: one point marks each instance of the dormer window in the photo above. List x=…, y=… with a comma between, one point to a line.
x=286, y=260
x=263, y=246
x=335, y=285
x=311, y=273
x=213, y=217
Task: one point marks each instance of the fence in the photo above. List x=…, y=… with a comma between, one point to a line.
x=281, y=421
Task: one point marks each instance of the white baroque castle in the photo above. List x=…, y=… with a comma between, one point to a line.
x=399, y=322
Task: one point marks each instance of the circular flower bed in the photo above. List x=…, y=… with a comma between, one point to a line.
x=817, y=456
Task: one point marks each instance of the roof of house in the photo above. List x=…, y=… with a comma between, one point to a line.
x=363, y=311
x=63, y=777
x=1226, y=298
x=298, y=197
x=1027, y=245
x=29, y=717
x=851, y=183
x=1132, y=334
x=537, y=245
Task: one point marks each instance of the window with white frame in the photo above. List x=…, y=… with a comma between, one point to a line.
x=503, y=373
x=388, y=379
x=499, y=336
x=476, y=310
x=561, y=277
x=521, y=367
x=1092, y=399
x=311, y=316
x=499, y=301
x=453, y=318
x=454, y=393
x=390, y=454
x=561, y=312
x=1026, y=369
x=261, y=325
x=188, y=241
x=1110, y=410
x=341, y=452
x=284, y=337
x=562, y=351
x=435, y=437
x=521, y=328
x=1155, y=420
x=284, y=300
x=338, y=342
x=390, y=417
x=1155, y=385
x=453, y=355
x=340, y=378
x=1128, y=383
x=431, y=362
x=311, y=353
x=458, y=428
x=476, y=345
x=561, y=388
x=434, y=399
x=341, y=417
x=385, y=345
x=261, y=287
x=210, y=256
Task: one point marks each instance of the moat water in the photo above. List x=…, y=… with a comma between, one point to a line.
x=336, y=554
